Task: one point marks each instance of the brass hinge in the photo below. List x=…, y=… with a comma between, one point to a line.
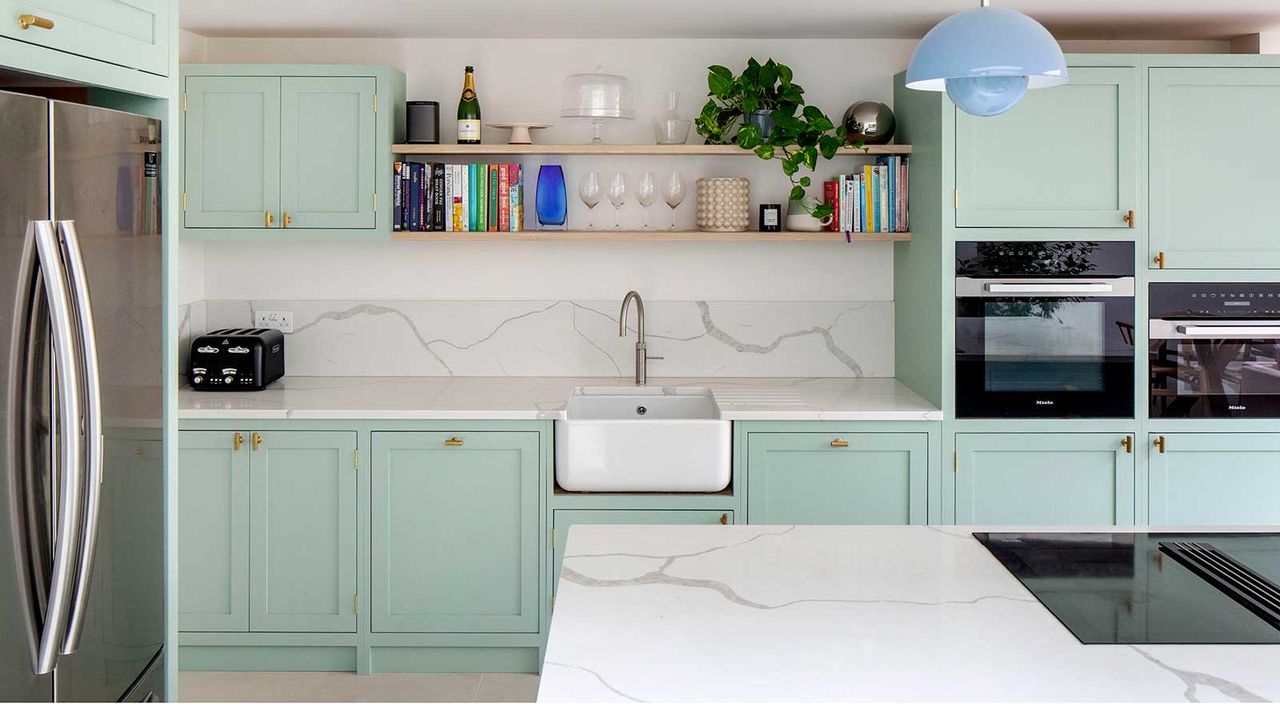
x=184, y=201
x=355, y=461
x=184, y=102
x=954, y=461
x=955, y=198
x=355, y=604
x=375, y=102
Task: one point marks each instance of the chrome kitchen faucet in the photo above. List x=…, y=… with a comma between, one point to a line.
x=642, y=358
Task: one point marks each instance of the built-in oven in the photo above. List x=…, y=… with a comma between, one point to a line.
x=1044, y=329
x=1213, y=350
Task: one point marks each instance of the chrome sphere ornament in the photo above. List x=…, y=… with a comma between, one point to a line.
x=869, y=121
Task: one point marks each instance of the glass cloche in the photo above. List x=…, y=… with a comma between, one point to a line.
x=598, y=96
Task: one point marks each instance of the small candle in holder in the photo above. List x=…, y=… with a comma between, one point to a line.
x=770, y=217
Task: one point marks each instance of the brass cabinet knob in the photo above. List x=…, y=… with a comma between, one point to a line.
x=288, y=219
x=838, y=443
x=271, y=219
x=1131, y=218
x=1159, y=443
x=257, y=441
x=1127, y=443
x=724, y=518
x=453, y=442
x=1159, y=260
x=29, y=21
x=236, y=441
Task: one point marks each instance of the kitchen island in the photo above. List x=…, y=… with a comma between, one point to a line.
x=814, y=613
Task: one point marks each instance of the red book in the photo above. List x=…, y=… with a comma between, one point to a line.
x=831, y=196
x=517, y=201
x=504, y=199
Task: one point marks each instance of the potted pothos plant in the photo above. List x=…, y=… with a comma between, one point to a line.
x=775, y=122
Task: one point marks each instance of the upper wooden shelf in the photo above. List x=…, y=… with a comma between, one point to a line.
x=606, y=149
x=659, y=236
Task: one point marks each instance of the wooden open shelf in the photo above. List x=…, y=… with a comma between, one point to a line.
x=657, y=236
x=606, y=149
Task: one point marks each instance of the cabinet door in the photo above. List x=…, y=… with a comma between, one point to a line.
x=1215, y=479
x=565, y=519
x=232, y=152
x=132, y=33
x=830, y=479
x=1063, y=157
x=455, y=531
x=213, y=531
x=1214, y=153
x=303, y=532
x=1044, y=479
x=328, y=158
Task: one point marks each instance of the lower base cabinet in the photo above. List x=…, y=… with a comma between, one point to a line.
x=456, y=532
x=1214, y=479
x=824, y=478
x=1044, y=479
x=566, y=519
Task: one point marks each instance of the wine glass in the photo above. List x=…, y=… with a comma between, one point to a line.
x=617, y=196
x=647, y=193
x=590, y=192
x=673, y=193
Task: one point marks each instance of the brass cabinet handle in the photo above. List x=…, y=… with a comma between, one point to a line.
x=1131, y=218
x=1159, y=443
x=839, y=443
x=236, y=441
x=1159, y=258
x=724, y=518
x=453, y=442
x=29, y=21
x=257, y=441
x=271, y=219
x=288, y=219
x=1127, y=443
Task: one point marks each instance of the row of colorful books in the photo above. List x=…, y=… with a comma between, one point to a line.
x=443, y=197
x=873, y=200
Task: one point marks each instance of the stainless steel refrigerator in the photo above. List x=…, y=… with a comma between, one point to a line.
x=81, y=443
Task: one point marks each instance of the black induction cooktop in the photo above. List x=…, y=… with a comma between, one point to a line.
x=1118, y=588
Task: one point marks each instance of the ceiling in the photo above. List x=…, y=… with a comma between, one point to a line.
x=1073, y=19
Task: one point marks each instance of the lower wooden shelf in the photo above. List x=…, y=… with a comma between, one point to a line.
x=657, y=236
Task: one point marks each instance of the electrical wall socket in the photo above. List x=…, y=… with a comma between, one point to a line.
x=281, y=320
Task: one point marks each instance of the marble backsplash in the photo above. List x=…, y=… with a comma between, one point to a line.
x=568, y=337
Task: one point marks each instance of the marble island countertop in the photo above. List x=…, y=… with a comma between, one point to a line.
x=809, y=613
x=514, y=398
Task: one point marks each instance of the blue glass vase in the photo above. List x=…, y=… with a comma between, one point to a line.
x=553, y=204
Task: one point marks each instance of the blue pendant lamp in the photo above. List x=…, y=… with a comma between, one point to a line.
x=986, y=59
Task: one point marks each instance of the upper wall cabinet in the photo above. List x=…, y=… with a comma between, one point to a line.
x=131, y=33
x=1064, y=157
x=1214, y=153
x=288, y=151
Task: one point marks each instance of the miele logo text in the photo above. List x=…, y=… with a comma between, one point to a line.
x=1044, y=402
x=1237, y=407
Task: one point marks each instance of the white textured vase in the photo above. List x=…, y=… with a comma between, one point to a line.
x=724, y=204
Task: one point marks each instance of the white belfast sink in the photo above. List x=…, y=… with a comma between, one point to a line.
x=642, y=439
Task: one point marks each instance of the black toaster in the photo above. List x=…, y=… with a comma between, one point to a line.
x=236, y=359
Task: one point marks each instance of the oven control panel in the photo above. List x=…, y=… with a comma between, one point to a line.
x=1242, y=301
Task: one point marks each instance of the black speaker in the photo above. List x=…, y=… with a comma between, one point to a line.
x=422, y=121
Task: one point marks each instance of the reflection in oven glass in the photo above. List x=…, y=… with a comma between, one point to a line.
x=1211, y=378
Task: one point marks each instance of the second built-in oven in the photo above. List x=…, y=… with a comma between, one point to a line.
x=1214, y=350
x=1044, y=329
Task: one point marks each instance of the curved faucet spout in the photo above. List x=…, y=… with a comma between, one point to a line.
x=622, y=317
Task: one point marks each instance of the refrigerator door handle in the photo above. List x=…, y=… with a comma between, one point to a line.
x=67, y=410
x=91, y=386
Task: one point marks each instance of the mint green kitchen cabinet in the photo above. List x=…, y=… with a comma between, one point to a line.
x=455, y=532
x=1212, y=183
x=1063, y=157
x=824, y=478
x=565, y=519
x=303, y=532
x=1044, y=479
x=213, y=531
x=327, y=151
x=131, y=33
x=232, y=152
x=1214, y=479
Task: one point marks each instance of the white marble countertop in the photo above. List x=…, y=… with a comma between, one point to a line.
x=513, y=398
x=890, y=614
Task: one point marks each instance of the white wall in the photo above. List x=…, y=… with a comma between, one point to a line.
x=799, y=286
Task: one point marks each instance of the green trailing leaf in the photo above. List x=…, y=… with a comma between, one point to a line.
x=748, y=137
x=805, y=181
x=823, y=211
x=764, y=152
x=797, y=194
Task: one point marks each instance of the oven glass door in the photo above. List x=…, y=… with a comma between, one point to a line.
x=1044, y=357
x=1200, y=376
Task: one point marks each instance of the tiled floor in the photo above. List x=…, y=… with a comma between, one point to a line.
x=349, y=687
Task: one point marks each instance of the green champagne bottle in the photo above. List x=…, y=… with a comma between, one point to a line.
x=469, y=111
